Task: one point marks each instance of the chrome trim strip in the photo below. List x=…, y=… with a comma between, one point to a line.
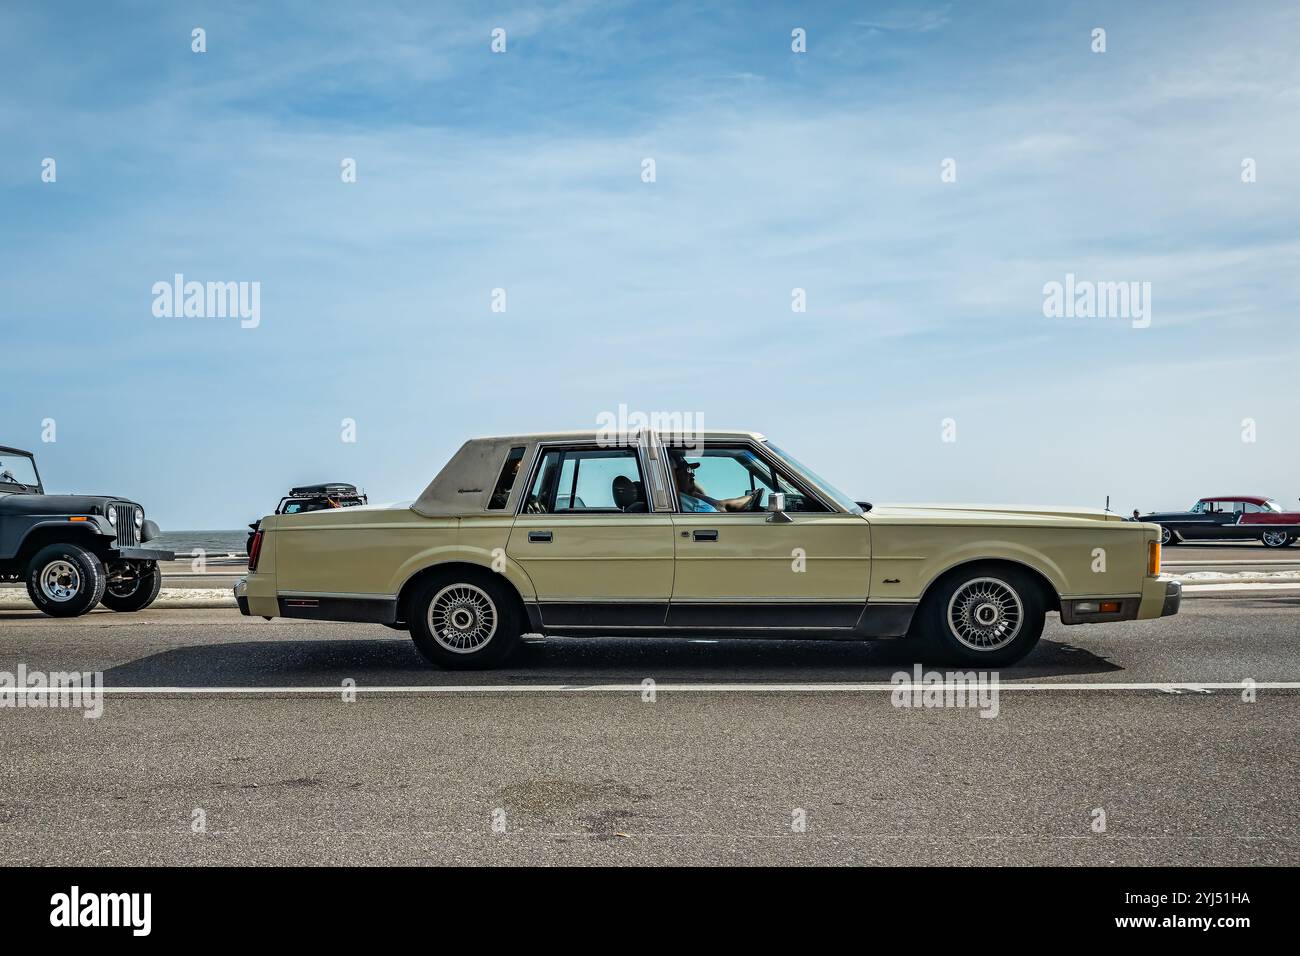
x=336, y=594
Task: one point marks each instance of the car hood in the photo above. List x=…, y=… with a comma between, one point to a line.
x=11, y=504
x=1000, y=514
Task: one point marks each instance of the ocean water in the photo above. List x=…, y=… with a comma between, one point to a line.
x=215, y=543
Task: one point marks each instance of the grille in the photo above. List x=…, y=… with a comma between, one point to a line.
x=125, y=525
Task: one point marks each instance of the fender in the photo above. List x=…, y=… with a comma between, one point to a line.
x=461, y=553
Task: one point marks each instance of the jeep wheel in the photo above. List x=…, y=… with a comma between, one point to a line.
x=131, y=585
x=1276, y=539
x=64, y=580
x=987, y=615
x=464, y=622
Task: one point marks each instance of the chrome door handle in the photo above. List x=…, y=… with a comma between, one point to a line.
x=542, y=536
x=705, y=536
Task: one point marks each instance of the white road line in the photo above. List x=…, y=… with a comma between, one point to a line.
x=1198, y=686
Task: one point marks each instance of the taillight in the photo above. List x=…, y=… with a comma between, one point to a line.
x=254, y=550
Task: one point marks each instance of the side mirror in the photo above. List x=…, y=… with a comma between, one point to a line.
x=776, y=508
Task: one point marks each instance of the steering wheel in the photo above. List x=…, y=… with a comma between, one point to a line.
x=756, y=502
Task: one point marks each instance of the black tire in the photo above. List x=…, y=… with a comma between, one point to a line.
x=1276, y=539
x=1168, y=538
x=940, y=643
x=481, y=602
x=64, y=580
x=137, y=591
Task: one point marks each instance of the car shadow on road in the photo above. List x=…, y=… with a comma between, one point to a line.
x=394, y=662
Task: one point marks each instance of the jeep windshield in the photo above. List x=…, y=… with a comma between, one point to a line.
x=18, y=473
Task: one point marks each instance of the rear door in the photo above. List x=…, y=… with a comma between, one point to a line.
x=597, y=556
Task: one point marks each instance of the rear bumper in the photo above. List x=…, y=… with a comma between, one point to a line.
x=254, y=601
x=1161, y=597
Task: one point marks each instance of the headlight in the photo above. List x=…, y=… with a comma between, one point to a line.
x=111, y=513
x=139, y=517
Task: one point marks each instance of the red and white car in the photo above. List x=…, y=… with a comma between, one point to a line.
x=1227, y=518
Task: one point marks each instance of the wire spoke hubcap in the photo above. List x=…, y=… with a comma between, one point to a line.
x=60, y=581
x=1275, y=538
x=985, y=614
x=462, y=618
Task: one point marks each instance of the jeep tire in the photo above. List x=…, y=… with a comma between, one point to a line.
x=64, y=580
x=132, y=586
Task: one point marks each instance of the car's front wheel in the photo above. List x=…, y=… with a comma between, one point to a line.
x=64, y=580
x=1167, y=537
x=1276, y=539
x=984, y=615
x=132, y=585
x=464, y=622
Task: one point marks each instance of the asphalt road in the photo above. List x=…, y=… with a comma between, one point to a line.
x=607, y=777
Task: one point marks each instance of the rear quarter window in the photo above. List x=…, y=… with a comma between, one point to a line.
x=506, y=480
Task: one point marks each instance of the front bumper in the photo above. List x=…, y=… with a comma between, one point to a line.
x=1173, y=598
x=140, y=554
x=1160, y=597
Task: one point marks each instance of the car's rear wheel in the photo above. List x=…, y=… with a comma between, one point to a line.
x=988, y=615
x=64, y=580
x=131, y=585
x=1276, y=539
x=464, y=621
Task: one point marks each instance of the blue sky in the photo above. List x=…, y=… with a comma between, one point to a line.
x=774, y=170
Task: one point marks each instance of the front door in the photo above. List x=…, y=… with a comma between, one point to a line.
x=596, y=555
x=737, y=568
x=1223, y=515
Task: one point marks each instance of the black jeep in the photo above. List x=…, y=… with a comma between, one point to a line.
x=74, y=551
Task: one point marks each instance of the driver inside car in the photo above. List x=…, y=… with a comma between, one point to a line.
x=693, y=498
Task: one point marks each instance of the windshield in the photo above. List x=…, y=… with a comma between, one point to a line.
x=841, y=499
x=17, y=470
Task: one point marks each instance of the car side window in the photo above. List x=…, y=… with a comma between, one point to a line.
x=588, y=480
x=729, y=479
x=506, y=481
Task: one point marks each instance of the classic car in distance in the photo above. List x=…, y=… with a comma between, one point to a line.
x=1229, y=518
x=583, y=533
x=75, y=551
x=332, y=494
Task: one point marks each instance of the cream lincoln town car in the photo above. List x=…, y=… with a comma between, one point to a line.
x=724, y=534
